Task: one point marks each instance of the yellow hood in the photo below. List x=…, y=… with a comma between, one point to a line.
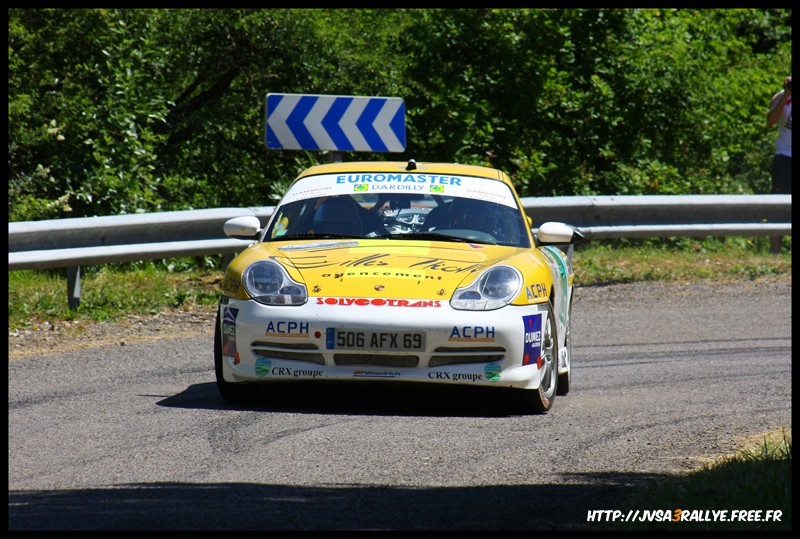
x=386, y=269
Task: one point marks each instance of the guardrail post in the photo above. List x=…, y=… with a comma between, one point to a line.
x=74, y=287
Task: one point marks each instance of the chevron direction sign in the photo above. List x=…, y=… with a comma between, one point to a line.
x=336, y=122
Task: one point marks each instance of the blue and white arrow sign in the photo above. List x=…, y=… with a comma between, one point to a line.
x=335, y=122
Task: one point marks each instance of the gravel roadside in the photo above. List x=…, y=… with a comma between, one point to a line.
x=71, y=335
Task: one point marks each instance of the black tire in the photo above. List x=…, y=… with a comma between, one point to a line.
x=540, y=401
x=231, y=393
x=565, y=380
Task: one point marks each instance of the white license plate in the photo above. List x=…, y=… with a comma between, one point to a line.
x=352, y=339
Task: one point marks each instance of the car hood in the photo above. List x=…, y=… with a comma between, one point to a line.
x=382, y=269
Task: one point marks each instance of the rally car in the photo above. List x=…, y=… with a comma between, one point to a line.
x=395, y=271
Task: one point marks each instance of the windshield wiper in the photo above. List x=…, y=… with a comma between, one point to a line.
x=435, y=236
x=316, y=236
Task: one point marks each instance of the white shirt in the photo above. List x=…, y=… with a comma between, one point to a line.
x=783, y=146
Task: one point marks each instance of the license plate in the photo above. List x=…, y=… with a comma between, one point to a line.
x=350, y=339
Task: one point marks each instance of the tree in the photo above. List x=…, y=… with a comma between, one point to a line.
x=125, y=110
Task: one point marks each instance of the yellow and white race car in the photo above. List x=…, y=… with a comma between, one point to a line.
x=395, y=271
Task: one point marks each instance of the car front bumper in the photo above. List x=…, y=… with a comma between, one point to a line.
x=399, y=340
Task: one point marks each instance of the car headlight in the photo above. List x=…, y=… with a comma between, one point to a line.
x=268, y=283
x=492, y=290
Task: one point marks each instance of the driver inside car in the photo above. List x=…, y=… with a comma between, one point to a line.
x=495, y=220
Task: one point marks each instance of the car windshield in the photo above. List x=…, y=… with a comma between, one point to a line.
x=312, y=209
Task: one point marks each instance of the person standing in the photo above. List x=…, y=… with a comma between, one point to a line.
x=780, y=112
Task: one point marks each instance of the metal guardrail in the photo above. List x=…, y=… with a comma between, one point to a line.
x=72, y=243
x=663, y=216
x=82, y=241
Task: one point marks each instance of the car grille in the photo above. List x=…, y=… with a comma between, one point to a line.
x=453, y=355
x=388, y=360
x=293, y=351
x=443, y=355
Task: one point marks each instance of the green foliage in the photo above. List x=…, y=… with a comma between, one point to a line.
x=127, y=110
x=92, y=79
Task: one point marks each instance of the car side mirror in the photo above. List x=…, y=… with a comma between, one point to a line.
x=553, y=232
x=242, y=228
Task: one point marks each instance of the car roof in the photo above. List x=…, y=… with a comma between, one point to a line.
x=401, y=166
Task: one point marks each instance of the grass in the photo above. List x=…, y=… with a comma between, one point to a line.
x=692, y=261
x=757, y=477
x=109, y=293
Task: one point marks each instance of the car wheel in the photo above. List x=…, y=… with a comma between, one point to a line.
x=231, y=393
x=565, y=379
x=541, y=400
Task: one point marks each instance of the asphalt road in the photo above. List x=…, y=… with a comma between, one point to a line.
x=136, y=437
